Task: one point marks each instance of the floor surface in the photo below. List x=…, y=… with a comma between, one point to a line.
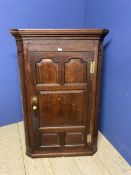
x=13, y=161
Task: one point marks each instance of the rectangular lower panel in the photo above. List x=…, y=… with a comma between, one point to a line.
x=50, y=140
x=62, y=139
x=74, y=138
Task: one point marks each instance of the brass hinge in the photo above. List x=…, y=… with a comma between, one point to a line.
x=92, y=67
x=88, y=138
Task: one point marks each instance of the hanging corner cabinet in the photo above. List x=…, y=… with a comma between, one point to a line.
x=60, y=85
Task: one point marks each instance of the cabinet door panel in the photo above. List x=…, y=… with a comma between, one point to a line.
x=75, y=71
x=61, y=85
x=46, y=71
x=50, y=140
x=61, y=108
x=72, y=138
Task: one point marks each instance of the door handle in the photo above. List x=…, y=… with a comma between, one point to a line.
x=34, y=99
x=34, y=108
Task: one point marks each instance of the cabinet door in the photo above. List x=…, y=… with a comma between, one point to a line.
x=58, y=91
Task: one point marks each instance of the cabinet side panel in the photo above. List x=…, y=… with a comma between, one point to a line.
x=95, y=93
x=20, y=53
x=98, y=83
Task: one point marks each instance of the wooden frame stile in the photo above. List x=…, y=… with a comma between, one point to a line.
x=21, y=62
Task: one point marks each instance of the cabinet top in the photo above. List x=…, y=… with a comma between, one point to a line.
x=58, y=32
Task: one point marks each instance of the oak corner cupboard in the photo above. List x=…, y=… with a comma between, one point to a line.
x=60, y=85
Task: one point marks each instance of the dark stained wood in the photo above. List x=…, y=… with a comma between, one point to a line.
x=68, y=108
x=50, y=140
x=26, y=33
x=74, y=138
x=46, y=71
x=72, y=75
x=60, y=96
